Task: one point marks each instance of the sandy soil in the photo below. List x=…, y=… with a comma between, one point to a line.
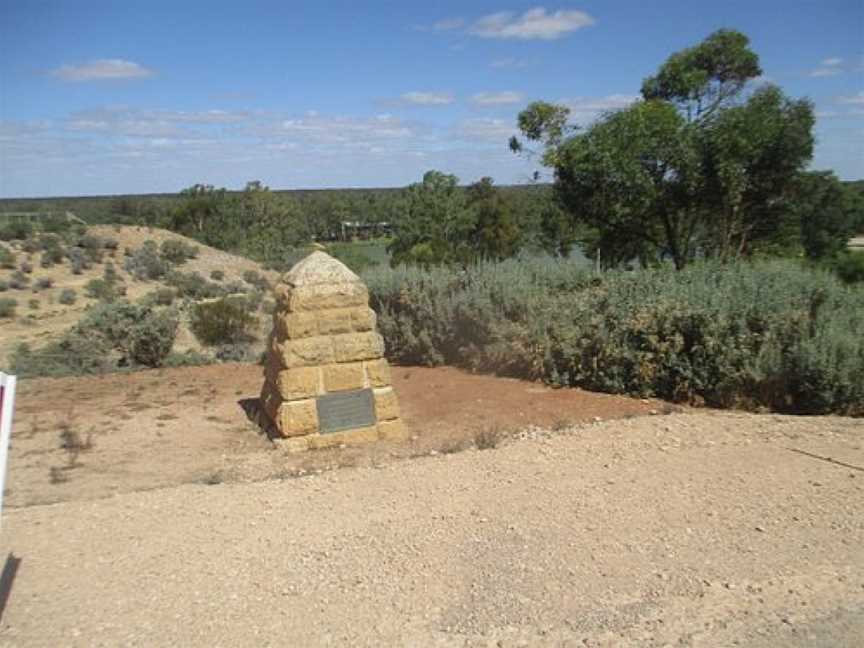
x=159, y=428
x=39, y=326
x=683, y=530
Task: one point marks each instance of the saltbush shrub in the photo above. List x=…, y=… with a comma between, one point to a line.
x=769, y=335
x=222, y=322
x=110, y=337
x=178, y=252
x=7, y=259
x=7, y=307
x=192, y=285
x=146, y=264
x=67, y=296
x=104, y=291
x=16, y=230
x=849, y=266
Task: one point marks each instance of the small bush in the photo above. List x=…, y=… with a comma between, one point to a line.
x=217, y=275
x=34, y=304
x=7, y=259
x=109, y=274
x=3, y=286
x=222, y=322
x=43, y=283
x=849, y=266
x=146, y=264
x=67, y=296
x=100, y=289
x=254, y=279
x=193, y=286
x=19, y=280
x=178, y=252
x=16, y=230
x=7, y=307
x=26, y=268
x=78, y=261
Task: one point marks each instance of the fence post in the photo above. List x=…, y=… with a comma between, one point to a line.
x=7, y=407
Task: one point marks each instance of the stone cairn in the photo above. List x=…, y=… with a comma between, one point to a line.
x=326, y=379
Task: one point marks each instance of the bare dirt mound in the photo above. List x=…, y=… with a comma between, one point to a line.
x=686, y=530
x=98, y=436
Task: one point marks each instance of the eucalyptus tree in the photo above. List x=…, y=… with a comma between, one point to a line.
x=703, y=163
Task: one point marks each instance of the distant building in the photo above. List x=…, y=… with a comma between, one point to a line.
x=364, y=231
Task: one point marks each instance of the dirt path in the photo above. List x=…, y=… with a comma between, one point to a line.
x=83, y=438
x=688, y=529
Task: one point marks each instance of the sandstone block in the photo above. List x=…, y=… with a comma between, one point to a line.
x=386, y=405
x=307, y=352
x=348, y=437
x=351, y=347
x=299, y=382
x=297, y=417
x=342, y=377
x=378, y=372
x=363, y=319
x=333, y=322
x=319, y=297
x=292, y=326
x=392, y=430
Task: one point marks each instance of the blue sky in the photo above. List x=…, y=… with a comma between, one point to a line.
x=138, y=97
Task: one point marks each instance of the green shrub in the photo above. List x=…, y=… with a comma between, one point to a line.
x=100, y=289
x=750, y=335
x=222, y=322
x=849, y=266
x=7, y=259
x=109, y=274
x=3, y=286
x=19, y=280
x=254, y=279
x=140, y=334
x=146, y=264
x=78, y=261
x=34, y=304
x=193, y=286
x=16, y=230
x=67, y=296
x=7, y=307
x=43, y=283
x=178, y=252
x=217, y=275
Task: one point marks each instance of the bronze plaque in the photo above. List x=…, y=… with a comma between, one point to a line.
x=345, y=410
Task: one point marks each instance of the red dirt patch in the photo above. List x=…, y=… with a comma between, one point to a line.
x=83, y=438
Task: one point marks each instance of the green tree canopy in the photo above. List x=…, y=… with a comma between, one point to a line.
x=698, y=166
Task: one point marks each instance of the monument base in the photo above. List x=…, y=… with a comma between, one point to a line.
x=383, y=431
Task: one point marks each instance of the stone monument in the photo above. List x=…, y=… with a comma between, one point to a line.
x=326, y=381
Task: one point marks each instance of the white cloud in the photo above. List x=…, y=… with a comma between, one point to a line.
x=824, y=72
x=830, y=62
x=497, y=98
x=427, y=98
x=102, y=70
x=448, y=24
x=586, y=109
x=854, y=100
x=533, y=24
x=486, y=128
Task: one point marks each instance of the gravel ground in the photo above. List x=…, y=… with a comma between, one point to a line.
x=689, y=529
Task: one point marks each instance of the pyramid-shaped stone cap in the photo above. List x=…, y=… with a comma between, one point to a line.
x=319, y=268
